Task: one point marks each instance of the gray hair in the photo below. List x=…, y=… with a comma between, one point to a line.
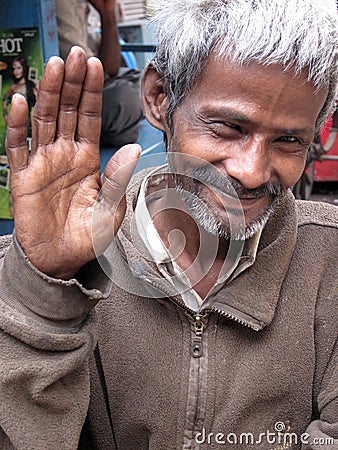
x=299, y=34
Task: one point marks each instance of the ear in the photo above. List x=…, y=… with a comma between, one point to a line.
x=154, y=98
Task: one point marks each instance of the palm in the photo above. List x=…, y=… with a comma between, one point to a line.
x=56, y=189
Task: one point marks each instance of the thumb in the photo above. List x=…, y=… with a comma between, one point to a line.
x=118, y=172
x=111, y=205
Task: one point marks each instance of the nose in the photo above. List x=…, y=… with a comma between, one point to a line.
x=250, y=164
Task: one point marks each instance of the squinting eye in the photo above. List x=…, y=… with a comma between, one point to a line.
x=225, y=126
x=232, y=125
x=290, y=139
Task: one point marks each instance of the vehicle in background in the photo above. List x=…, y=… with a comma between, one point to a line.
x=322, y=161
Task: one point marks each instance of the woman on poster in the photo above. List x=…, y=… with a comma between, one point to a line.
x=22, y=85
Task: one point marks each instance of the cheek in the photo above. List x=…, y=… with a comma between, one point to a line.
x=290, y=169
x=197, y=144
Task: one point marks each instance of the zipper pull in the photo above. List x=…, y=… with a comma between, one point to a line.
x=197, y=347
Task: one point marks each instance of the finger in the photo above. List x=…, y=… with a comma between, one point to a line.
x=118, y=173
x=89, y=116
x=16, y=137
x=47, y=104
x=75, y=72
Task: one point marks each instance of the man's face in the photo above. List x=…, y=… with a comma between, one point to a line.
x=254, y=124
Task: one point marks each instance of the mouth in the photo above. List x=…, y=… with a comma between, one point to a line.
x=233, y=200
x=247, y=206
x=223, y=195
x=249, y=202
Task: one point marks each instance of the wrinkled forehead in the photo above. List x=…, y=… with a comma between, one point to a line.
x=220, y=72
x=254, y=86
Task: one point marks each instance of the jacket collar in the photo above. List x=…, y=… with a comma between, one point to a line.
x=252, y=297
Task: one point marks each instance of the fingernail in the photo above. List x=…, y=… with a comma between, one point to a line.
x=16, y=96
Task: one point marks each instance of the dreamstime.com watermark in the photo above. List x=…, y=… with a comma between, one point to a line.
x=281, y=437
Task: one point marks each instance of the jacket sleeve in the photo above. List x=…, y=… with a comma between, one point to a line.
x=46, y=339
x=323, y=432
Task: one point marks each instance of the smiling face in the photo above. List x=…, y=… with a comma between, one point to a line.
x=254, y=124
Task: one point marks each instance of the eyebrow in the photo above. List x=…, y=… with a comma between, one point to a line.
x=245, y=120
x=229, y=113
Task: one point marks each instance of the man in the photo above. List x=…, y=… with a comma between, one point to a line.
x=215, y=318
x=78, y=21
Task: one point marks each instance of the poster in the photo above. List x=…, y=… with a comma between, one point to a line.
x=21, y=68
x=5, y=199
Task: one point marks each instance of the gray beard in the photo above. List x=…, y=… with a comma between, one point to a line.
x=213, y=225
x=236, y=229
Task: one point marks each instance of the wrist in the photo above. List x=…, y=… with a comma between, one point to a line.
x=108, y=20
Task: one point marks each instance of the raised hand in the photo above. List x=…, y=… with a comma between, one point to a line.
x=56, y=187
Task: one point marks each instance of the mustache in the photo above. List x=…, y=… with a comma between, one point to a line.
x=211, y=177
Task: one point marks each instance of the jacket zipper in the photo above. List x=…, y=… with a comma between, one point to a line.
x=197, y=345
x=196, y=401
x=197, y=382
x=254, y=324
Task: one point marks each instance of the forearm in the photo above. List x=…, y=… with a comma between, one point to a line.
x=44, y=389
x=322, y=432
x=45, y=348
x=110, y=49
x=320, y=435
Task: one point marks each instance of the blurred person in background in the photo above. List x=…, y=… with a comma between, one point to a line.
x=78, y=24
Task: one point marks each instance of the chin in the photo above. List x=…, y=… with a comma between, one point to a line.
x=234, y=228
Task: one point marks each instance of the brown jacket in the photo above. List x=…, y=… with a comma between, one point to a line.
x=265, y=360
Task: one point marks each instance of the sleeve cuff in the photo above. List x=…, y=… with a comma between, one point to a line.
x=26, y=289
